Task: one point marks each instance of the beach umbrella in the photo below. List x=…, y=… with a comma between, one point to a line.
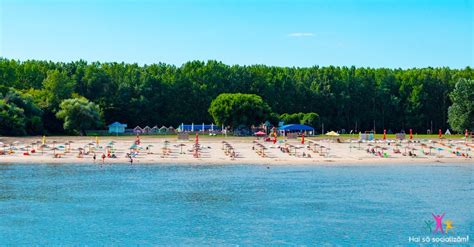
x=42, y=146
x=385, y=134
x=181, y=145
x=54, y=150
x=430, y=147
x=302, y=138
x=260, y=133
x=332, y=133
x=89, y=145
x=411, y=134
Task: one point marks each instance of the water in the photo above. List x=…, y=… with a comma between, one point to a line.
x=230, y=204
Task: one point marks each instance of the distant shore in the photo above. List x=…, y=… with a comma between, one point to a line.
x=247, y=150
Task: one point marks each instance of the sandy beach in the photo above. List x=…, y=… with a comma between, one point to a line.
x=221, y=150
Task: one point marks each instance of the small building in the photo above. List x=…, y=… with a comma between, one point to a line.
x=171, y=129
x=147, y=130
x=138, y=130
x=299, y=128
x=163, y=130
x=198, y=127
x=117, y=128
x=155, y=129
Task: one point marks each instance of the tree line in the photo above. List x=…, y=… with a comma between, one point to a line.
x=342, y=97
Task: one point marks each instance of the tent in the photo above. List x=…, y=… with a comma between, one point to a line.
x=296, y=128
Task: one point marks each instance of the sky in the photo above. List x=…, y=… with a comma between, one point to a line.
x=300, y=33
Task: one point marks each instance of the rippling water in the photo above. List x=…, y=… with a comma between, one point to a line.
x=230, y=204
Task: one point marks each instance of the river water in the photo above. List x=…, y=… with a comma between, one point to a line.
x=78, y=204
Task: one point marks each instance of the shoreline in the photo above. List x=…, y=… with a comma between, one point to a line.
x=237, y=161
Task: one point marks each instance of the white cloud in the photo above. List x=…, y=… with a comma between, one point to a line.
x=301, y=34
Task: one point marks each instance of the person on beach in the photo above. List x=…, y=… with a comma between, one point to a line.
x=439, y=222
x=103, y=158
x=94, y=157
x=131, y=160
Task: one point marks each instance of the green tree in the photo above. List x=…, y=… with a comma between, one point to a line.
x=57, y=86
x=12, y=119
x=19, y=113
x=311, y=119
x=239, y=109
x=79, y=115
x=32, y=113
x=461, y=112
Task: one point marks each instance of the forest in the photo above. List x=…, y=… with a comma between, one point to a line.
x=350, y=98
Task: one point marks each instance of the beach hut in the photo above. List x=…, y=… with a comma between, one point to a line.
x=117, y=128
x=163, y=130
x=137, y=130
x=147, y=129
x=171, y=129
x=155, y=129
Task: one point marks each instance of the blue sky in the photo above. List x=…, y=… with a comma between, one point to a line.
x=375, y=33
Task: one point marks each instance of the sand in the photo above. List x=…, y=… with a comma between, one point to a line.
x=212, y=151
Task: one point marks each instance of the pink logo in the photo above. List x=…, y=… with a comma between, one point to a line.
x=439, y=222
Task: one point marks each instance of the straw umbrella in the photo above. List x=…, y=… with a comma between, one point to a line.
x=54, y=151
x=181, y=145
x=89, y=145
x=28, y=148
x=332, y=134
x=149, y=147
x=42, y=146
